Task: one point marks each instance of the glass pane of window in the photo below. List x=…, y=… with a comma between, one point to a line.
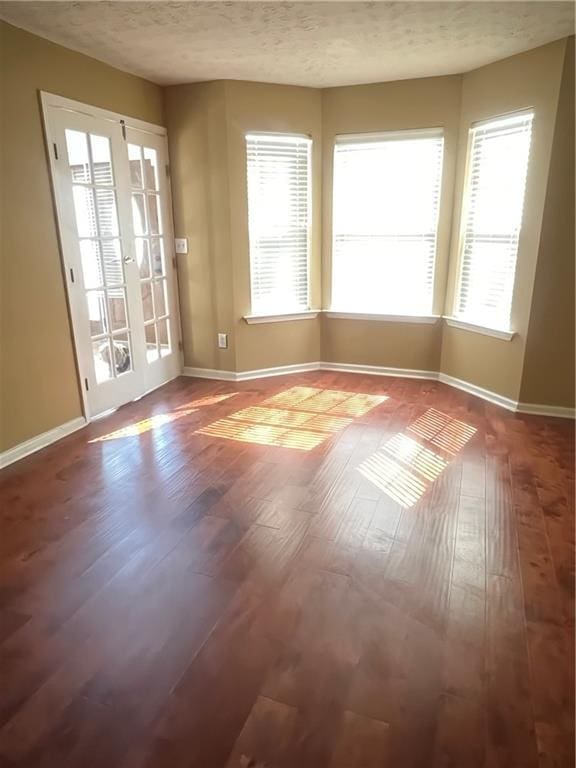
x=135, y=165
x=138, y=214
x=150, y=168
x=157, y=248
x=278, y=169
x=160, y=298
x=107, y=214
x=96, y=301
x=102, y=360
x=163, y=337
x=151, y=347
x=91, y=264
x=101, y=160
x=154, y=213
x=85, y=211
x=143, y=257
x=78, y=157
x=147, y=306
x=117, y=309
x=113, y=264
x=122, y=353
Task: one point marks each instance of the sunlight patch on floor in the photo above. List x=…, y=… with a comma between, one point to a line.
x=407, y=465
x=300, y=417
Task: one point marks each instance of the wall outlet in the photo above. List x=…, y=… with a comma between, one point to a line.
x=181, y=244
x=223, y=341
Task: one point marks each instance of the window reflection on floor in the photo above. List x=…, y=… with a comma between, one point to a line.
x=407, y=465
x=300, y=417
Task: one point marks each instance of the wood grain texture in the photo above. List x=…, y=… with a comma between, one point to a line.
x=395, y=589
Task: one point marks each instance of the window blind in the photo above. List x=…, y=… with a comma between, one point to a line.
x=385, y=215
x=492, y=217
x=279, y=217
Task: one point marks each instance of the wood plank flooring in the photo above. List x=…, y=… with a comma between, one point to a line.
x=310, y=571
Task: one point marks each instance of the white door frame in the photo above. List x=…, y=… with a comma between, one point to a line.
x=53, y=101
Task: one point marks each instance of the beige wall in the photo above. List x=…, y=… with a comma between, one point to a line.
x=197, y=136
x=407, y=104
x=548, y=374
x=530, y=79
x=283, y=109
x=39, y=383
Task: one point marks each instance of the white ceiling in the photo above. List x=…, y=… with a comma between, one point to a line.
x=303, y=43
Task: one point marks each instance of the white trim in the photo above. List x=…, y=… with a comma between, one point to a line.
x=53, y=100
x=422, y=319
x=556, y=411
x=379, y=370
x=281, y=317
x=209, y=373
x=281, y=370
x=40, y=441
x=464, y=325
x=416, y=133
x=473, y=389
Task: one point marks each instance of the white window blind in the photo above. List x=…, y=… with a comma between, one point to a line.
x=492, y=217
x=386, y=202
x=278, y=221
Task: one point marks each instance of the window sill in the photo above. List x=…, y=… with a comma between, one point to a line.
x=422, y=319
x=281, y=317
x=496, y=333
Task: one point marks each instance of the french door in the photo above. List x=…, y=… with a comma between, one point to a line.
x=114, y=215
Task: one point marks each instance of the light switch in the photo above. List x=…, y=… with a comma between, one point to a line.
x=181, y=244
x=223, y=340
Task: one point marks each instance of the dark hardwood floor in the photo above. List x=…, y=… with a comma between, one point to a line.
x=321, y=580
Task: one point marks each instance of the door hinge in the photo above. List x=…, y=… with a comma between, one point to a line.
x=123, y=125
x=174, y=261
x=86, y=385
x=167, y=171
x=72, y=275
x=180, y=345
x=55, y=148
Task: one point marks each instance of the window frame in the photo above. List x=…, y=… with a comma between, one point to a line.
x=306, y=310
x=376, y=137
x=456, y=319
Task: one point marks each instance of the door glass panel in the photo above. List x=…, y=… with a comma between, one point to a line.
x=147, y=306
x=160, y=298
x=122, y=353
x=151, y=168
x=101, y=160
x=92, y=271
x=85, y=211
x=113, y=264
x=143, y=256
x=153, y=215
x=102, y=360
x=107, y=212
x=151, y=346
x=163, y=337
x=157, y=256
x=78, y=157
x=135, y=165
x=117, y=308
x=139, y=214
x=96, y=301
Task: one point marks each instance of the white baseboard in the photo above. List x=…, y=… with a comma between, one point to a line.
x=40, y=441
x=209, y=373
x=484, y=394
x=557, y=411
x=379, y=370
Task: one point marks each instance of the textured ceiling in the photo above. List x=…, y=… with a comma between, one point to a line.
x=304, y=43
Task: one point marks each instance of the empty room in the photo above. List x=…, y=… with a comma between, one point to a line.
x=287, y=384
